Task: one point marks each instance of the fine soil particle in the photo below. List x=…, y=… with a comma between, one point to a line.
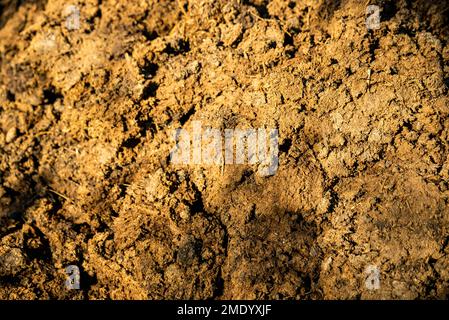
x=87, y=112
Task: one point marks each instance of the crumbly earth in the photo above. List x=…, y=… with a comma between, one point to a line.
x=86, y=123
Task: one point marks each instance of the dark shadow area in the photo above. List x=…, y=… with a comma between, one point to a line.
x=430, y=13
x=260, y=6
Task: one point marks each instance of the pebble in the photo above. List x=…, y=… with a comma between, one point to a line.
x=11, y=135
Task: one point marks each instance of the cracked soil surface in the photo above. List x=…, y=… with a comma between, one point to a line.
x=86, y=122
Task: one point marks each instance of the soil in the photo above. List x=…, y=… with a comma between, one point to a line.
x=86, y=122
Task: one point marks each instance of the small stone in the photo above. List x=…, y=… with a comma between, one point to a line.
x=11, y=135
x=184, y=211
x=193, y=67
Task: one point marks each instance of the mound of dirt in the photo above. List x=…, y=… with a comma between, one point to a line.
x=92, y=92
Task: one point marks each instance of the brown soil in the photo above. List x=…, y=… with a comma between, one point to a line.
x=86, y=121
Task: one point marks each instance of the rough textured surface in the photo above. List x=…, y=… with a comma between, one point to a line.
x=86, y=118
